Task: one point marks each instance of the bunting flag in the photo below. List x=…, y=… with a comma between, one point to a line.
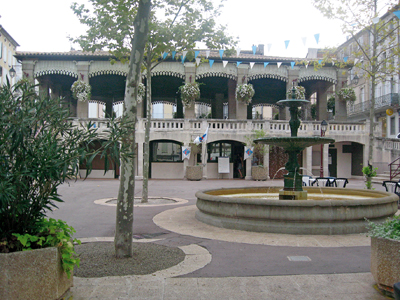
x=198, y=60
x=356, y=61
x=164, y=55
x=397, y=13
x=238, y=51
x=251, y=65
x=345, y=59
x=186, y=153
x=248, y=152
x=279, y=64
x=173, y=54
x=286, y=44
x=316, y=37
x=184, y=56
x=375, y=20
x=207, y=53
x=211, y=62
x=304, y=39
x=254, y=49
x=224, y=63
x=266, y=64
x=307, y=63
x=292, y=63
x=269, y=47
x=196, y=53
x=221, y=52
x=320, y=61
x=238, y=63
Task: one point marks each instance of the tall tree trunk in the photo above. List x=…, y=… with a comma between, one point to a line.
x=124, y=221
x=146, y=154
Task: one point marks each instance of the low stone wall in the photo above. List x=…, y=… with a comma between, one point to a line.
x=328, y=217
x=35, y=274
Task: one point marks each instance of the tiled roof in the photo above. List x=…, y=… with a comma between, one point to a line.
x=214, y=54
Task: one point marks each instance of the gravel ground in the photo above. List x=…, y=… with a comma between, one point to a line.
x=98, y=259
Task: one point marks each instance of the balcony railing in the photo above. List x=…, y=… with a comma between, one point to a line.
x=270, y=127
x=380, y=102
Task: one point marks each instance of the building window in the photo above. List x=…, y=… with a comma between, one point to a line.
x=219, y=149
x=392, y=126
x=166, y=151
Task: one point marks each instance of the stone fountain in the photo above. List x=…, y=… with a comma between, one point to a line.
x=294, y=209
x=293, y=145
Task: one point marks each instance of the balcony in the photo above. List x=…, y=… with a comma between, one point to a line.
x=381, y=102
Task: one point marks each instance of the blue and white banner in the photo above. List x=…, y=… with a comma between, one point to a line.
x=186, y=152
x=248, y=152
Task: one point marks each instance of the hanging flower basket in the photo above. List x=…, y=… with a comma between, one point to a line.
x=190, y=92
x=81, y=91
x=347, y=94
x=300, y=92
x=141, y=92
x=244, y=93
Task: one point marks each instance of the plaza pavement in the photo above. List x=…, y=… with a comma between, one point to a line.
x=219, y=263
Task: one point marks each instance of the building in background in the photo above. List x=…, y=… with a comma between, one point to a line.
x=8, y=48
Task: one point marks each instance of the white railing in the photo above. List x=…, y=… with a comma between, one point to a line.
x=270, y=127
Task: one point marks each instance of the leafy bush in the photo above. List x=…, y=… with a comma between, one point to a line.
x=390, y=229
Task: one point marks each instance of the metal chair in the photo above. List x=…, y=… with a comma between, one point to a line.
x=306, y=180
x=322, y=181
x=392, y=187
x=340, y=182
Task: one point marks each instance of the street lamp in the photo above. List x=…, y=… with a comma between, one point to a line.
x=12, y=72
x=355, y=79
x=324, y=127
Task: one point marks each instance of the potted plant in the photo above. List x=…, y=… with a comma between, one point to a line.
x=385, y=252
x=300, y=92
x=190, y=92
x=39, y=150
x=369, y=172
x=244, y=93
x=347, y=94
x=258, y=171
x=81, y=90
x=194, y=172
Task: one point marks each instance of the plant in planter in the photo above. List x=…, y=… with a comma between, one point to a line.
x=190, y=92
x=385, y=252
x=258, y=171
x=81, y=90
x=300, y=92
x=194, y=172
x=39, y=150
x=347, y=94
x=369, y=172
x=244, y=93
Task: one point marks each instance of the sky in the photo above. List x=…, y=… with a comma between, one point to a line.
x=44, y=25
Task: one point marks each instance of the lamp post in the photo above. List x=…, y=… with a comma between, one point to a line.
x=355, y=79
x=12, y=72
x=324, y=127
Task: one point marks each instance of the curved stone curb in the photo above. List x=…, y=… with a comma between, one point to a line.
x=196, y=257
x=182, y=220
x=177, y=201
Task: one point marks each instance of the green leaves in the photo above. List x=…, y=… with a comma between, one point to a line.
x=390, y=229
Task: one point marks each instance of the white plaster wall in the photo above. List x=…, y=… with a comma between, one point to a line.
x=343, y=161
x=167, y=170
x=212, y=171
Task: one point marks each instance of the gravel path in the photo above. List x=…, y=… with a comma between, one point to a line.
x=98, y=259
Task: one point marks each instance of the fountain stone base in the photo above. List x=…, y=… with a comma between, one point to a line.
x=292, y=195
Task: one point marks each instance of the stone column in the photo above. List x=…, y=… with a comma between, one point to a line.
x=204, y=156
x=44, y=87
x=218, y=107
x=186, y=161
x=340, y=105
x=241, y=109
x=190, y=76
x=307, y=161
x=322, y=99
x=82, y=109
x=28, y=67
x=139, y=174
x=266, y=160
x=231, y=99
x=326, y=160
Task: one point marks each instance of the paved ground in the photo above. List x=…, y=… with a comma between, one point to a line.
x=221, y=264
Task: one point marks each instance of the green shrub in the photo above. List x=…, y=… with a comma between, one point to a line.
x=390, y=229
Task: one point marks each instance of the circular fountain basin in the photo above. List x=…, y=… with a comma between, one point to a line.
x=328, y=211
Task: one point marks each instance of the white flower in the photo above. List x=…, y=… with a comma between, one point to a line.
x=244, y=93
x=81, y=90
x=190, y=92
x=300, y=92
